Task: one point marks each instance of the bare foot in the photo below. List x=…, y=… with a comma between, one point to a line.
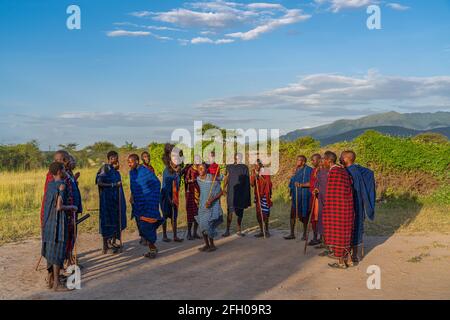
x=204, y=248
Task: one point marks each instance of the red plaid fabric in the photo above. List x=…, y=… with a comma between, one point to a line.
x=192, y=193
x=338, y=212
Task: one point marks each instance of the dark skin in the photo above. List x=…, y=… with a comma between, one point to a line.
x=134, y=164
x=237, y=160
x=54, y=279
x=146, y=158
x=209, y=242
x=256, y=173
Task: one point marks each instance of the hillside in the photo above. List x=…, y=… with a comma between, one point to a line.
x=416, y=121
x=387, y=130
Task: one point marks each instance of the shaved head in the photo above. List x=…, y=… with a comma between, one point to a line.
x=350, y=154
x=347, y=158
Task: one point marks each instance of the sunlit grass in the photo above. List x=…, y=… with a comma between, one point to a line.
x=21, y=195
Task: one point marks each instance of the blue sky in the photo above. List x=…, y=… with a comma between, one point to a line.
x=139, y=69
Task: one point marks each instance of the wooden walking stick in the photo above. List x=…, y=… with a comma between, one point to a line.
x=260, y=208
x=212, y=182
x=74, y=249
x=38, y=263
x=296, y=211
x=120, y=216
x=309, y=220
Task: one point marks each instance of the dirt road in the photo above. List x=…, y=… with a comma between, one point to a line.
x=412, y=267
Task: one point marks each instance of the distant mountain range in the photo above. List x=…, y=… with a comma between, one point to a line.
x=392, y=123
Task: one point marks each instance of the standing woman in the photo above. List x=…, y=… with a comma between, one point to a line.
x=210, y=214
x=192, y=194
x=170, y=189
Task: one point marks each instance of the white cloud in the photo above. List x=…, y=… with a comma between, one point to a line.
x=397, y=6
x=324, y=92
x=189, y=18
x=141, y=14
x=125, y=33
x=199, y=40
x=264, y=5
x=221, y=19
x=291, y=16
x=338, y=5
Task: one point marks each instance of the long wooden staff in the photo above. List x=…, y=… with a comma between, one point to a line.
x=38, y=263
x=74, y=249
x=120, y=216
x=296, y=210
x=212, y=183
x=260, y=208
x=309, y=220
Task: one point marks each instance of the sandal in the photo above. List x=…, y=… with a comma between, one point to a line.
x=240, y=234
x=289, y=237
x=178, y=239
x=313, y=243
x=259, y=235
x=151, y=254
x=61, y=288
x=166, y=239
x=226, y=234
x=212, y=249
x=325, y=253
x=337, y=265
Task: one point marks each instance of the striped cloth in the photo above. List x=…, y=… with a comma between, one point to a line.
x=338, y=212
x=264, y=207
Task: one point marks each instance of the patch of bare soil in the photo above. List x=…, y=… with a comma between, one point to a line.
x=412, y=267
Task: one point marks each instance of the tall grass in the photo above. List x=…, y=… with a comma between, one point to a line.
x=21, y=195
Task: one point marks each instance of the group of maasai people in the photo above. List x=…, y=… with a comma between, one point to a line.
x=335, y=199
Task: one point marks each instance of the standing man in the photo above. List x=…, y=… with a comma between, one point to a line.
x=262, y=184
x=54, y=225
x=146, y=161
x=192, y=195
x=145, y=194
x=364, y=195
x=237, y=186
x=213, y=167
x=315, y=212
x=300, y=195
x=113, y=208
x=338, y=212
x=170, y=191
